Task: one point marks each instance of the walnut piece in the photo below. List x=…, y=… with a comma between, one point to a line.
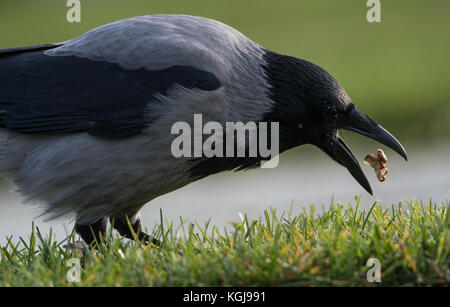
x=378, y=163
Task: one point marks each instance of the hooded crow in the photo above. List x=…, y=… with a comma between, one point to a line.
x=85, y=125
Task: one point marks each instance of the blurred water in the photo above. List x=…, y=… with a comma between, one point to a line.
x=304, y=176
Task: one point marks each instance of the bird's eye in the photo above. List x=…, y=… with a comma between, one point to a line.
x=329, y=113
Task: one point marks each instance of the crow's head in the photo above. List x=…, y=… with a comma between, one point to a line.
x=311, y=106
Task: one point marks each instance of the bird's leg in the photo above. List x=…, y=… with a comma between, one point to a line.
x=122, y=226
x=92, y=233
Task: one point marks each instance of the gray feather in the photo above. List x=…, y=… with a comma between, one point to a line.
x=91, y=178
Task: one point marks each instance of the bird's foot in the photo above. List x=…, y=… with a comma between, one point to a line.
x=79, y=247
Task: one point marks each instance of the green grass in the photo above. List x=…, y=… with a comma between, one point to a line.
x=411, y=241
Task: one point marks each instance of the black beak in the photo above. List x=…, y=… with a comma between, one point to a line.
x=357, y=121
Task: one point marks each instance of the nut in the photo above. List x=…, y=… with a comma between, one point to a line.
x=378, y=162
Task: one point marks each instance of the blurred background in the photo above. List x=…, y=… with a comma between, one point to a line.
x=397, y=71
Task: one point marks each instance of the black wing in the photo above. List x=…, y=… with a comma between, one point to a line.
x=55, y=94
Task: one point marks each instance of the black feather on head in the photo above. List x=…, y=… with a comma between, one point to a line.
x=305, y=96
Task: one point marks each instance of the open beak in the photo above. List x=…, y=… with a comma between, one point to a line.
x=357, y=121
